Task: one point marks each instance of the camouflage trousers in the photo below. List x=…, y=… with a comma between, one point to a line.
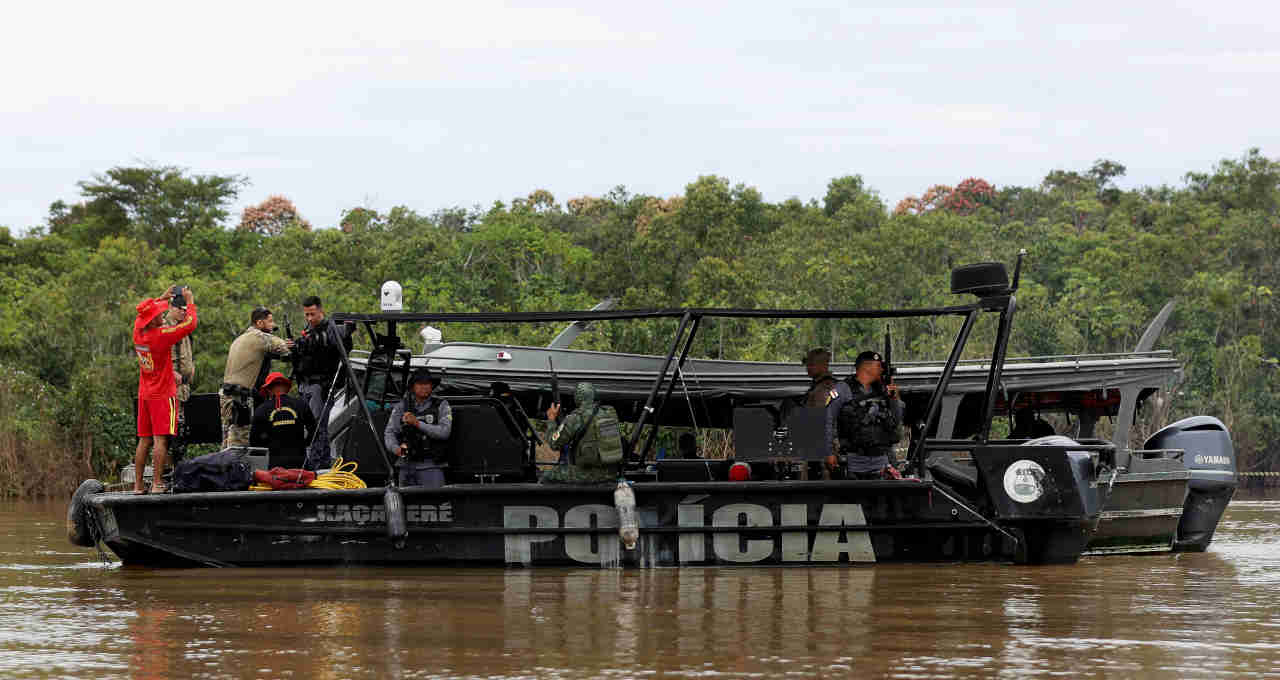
x=233, y=434
x=579, y=474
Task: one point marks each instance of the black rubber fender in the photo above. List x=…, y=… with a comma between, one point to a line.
x=397, y=526
x=79, y=531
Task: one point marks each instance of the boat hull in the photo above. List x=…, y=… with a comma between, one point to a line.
x=528, y=525
x=1141, y=513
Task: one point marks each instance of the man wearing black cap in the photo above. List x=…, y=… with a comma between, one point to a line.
x=416, y=431
x=863, y=417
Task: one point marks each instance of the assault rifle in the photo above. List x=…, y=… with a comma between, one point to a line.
x=887, y=376
x=293, y=352
x=555, y=384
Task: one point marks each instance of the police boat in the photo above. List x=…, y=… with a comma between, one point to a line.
x=1167, y=494
x=1029, y=504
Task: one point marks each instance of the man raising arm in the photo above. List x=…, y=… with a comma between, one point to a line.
x=157, y=389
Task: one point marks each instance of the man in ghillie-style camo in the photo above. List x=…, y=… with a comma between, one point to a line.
x=593, y=439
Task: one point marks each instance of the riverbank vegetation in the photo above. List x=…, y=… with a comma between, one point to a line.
x=1102, y=261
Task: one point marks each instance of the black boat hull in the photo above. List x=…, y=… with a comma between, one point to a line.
x=681, y=524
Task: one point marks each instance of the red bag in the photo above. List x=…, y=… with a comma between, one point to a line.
x=279, y=478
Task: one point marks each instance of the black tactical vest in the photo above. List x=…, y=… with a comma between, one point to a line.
x=867, y=421
x=421, y=447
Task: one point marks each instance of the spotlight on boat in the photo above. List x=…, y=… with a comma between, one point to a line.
x=392, y=297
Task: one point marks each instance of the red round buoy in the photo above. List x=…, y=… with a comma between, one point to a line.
x=740, y=472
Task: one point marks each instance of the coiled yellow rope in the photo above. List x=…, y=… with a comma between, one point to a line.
x=341, y=476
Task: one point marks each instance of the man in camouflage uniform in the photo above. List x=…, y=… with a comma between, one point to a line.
x=184, y=373
x=245, y=361
x=580, y=432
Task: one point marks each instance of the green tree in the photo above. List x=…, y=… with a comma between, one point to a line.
x=162, y=203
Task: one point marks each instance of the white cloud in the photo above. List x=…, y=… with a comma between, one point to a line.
x=435, y=104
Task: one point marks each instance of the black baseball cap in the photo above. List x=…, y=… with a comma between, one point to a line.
x=867, y=356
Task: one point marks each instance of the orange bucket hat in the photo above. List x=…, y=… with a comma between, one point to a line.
x=272, y=378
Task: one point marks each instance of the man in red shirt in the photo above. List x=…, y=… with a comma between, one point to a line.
x=157, y=390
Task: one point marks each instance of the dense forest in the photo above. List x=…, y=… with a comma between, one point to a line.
x=1102, y=261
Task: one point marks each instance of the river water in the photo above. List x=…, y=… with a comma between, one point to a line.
x=66, y=613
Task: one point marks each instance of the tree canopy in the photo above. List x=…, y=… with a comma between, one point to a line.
x=1102, y=261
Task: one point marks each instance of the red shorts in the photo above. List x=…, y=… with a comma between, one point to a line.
x=157, y=417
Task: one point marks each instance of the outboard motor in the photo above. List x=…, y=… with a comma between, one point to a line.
x=1210, y=460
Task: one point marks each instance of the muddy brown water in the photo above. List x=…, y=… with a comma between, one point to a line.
x=1216, y=614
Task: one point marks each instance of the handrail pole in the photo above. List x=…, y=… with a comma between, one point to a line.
x=653, y=393
x=935, y=401
x=671, y=385
x=364, y=408
x=997, y=365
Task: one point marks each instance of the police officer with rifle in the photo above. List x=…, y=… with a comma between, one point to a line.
x=318, y=357
x=417, y=431
x=864, y=414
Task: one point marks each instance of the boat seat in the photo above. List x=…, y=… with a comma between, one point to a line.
x=955, y=473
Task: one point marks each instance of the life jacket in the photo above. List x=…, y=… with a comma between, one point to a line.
x=867, y=421
x=601, y=439
x=421, y=447
x=279, y=478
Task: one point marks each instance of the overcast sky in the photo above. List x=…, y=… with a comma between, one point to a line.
x=431, y=105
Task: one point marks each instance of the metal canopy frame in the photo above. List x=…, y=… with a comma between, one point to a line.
x=1003, y=303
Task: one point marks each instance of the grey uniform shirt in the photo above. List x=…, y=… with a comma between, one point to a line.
x=838, y=397
x=435, y=424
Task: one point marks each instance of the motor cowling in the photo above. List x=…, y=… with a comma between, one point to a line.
x=1206, y=442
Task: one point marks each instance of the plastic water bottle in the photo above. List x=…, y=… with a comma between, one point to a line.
x=624, y=499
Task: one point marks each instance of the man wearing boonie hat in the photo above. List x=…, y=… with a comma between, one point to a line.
x=283, y=423
x=417, y=431
x=157, y=389
x=862, y=419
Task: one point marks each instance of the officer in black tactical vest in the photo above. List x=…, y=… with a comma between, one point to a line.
x=417, y=431
x=863, y=419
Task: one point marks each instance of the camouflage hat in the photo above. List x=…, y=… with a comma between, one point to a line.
x=867, y=356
